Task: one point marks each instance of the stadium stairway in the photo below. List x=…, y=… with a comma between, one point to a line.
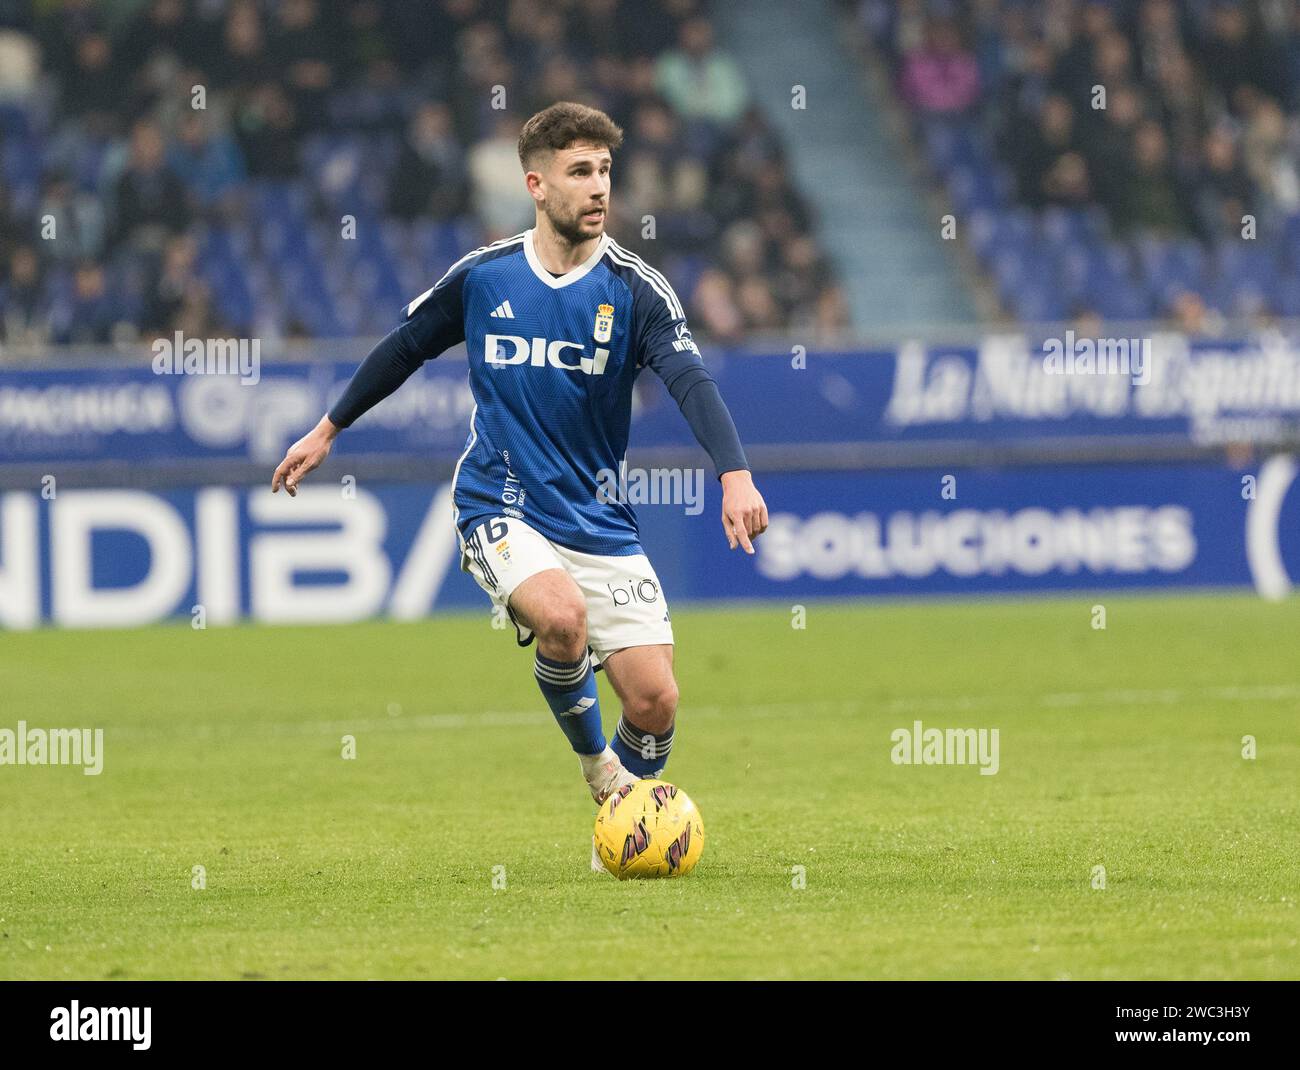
x=871, y=217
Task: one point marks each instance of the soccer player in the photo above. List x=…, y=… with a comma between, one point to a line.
x=558, y=322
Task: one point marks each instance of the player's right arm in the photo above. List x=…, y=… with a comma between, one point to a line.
x=433, y=322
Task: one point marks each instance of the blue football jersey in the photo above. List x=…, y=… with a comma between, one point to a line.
x=552, y=361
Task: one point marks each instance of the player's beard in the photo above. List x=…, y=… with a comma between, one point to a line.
x=570, y=227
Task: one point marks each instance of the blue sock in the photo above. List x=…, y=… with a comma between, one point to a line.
x=641, y=752
x=570, y=690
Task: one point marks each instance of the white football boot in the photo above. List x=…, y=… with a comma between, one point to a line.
x=605, y=774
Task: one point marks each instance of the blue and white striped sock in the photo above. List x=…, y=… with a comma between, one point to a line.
x=570, y=691
x=641, y=752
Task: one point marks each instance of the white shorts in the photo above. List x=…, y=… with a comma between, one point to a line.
x=625, y=604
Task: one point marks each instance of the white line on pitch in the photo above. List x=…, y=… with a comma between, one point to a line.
x=899, y=706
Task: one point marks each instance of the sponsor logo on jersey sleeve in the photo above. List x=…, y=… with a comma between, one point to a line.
x=684, y=343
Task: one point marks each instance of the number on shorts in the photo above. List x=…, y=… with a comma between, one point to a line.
x=496, y=530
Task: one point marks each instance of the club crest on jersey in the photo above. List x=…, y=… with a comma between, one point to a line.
x=604, y=323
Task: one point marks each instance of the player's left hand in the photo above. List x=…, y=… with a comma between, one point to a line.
x=744, y=513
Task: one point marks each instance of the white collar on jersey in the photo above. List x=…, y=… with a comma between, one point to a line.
x=569, y=276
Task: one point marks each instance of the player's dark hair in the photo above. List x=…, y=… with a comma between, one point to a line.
x=565, y=124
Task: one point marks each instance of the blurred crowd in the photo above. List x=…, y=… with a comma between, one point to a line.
x=1177, y=119
x=153, y=152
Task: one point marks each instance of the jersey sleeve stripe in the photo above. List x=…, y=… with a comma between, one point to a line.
x=655, y=280
x=451, y=270
x=632, y=258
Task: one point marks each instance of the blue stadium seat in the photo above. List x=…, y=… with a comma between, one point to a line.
x=1247, y=262
x=1122, y=300
x=1037, y=303
x=1172, y=266
x=1285, y=295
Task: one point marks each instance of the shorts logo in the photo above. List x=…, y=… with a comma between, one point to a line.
x=645, y=591
x=604, y=323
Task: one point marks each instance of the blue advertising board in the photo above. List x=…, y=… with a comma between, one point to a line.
x=1006, y=389
x=113, y=556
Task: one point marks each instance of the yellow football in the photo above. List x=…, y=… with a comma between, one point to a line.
x=649, y=829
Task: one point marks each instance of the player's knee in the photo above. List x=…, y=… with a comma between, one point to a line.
x=564, y=624
x=654, y=708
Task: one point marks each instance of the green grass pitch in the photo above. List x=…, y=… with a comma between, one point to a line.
x=1119, y=748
